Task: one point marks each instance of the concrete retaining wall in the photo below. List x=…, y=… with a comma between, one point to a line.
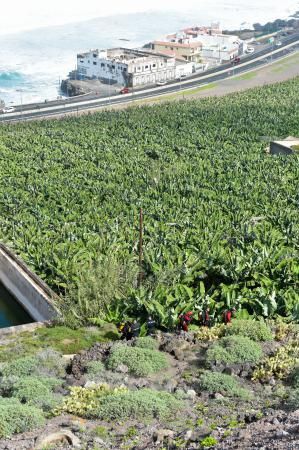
x=27, y=288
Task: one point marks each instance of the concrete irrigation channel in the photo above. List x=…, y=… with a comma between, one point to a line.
x=25, y=300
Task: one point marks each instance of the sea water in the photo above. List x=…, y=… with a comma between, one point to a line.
x=11, y=313
x=33, y=63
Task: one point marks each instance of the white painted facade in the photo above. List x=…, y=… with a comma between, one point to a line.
x=126, y=67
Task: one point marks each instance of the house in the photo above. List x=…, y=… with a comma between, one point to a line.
x=126, y=67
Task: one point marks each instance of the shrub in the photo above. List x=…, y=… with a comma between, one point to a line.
x=37, y=392
x=293, y=400
x=20, y=367
x=140, y=361
x=222, y=383
x=136, y=404
x=235, y=349
x=257, y=330
x=209, y=441
x=17, y=418
x=295, y=377
x=50, y=363
x=94, y=369
x=210, y=334
x=82, y=401
x=146, y=342
x=280, y=365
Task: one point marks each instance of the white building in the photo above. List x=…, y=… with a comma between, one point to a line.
x=126, y=67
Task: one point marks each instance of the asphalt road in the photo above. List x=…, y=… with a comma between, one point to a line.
x=261, y=56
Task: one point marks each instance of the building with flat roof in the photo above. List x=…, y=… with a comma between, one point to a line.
x=126, y=67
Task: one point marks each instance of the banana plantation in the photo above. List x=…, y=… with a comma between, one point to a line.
x=221, y=222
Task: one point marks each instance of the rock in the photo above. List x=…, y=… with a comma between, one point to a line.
x=162, y=434
x=90, y=384
x=188, y=435
x=178, y=354
x=281, y=433
x=275, y=421
x=229, y=371
x=62, y=436
x=122, y=368
x=218, y=396
x=141, y=383
x=171, y=385
x=99, y=441
x=191, y=394
x=200, y=433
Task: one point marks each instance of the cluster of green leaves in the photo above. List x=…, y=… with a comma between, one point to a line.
x=17, y=418
x=280, y=365
x=216, y=382
x=140, y=361
x=221, y=219
x=135, y=404
x=235, y=350
x=257, y=330
x=146, y=342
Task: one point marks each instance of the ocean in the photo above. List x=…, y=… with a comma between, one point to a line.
x=32, y=63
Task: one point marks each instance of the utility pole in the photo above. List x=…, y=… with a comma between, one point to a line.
x=140, y=274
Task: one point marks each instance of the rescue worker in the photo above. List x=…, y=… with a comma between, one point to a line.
x=228, y=314
x=204, y=318
x=125, y=330
x=135, y=328
x=185, y=320
x=150, y=326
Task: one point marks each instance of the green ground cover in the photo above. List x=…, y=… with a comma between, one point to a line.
x=221, y=216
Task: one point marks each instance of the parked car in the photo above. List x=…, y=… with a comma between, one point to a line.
x=160, y=83
x=180, y=77
x=124, y=90
x=249, y=50
x=236, y=60
x=278, y=43
x=8, y=109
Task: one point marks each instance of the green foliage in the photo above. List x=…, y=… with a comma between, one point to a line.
x=140, y=361
x=20, y=367
x=143, y=403
x=293, y=401
x=146, y=342
x=94, y=369
x=17, y=418
x=295, y=377
x=235, y=349
x=257, y=330
x=83, y=401
x=280, y=365
x=209, y=441
x=210, y=334
x=222, y=383
x=37, y=391
x=221, y=215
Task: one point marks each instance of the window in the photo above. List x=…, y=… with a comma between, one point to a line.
x=94, y=55
x=89, y=61
x=146, y=67
x=81, y=61
x=102, y=65
x=113, y=67
x=94, y=63
x=154, y=65
x=124, y=69
x=171, y=48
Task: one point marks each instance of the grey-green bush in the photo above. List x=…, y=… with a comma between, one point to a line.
x=20, y=367
x=146, y=342
x=234, y=350
x=17, y=418
x=140, y=361
x=224, y=384
x=137, y=404
x=257, y=330
x=37, y=391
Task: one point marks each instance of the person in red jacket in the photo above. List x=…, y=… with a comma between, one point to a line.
x=227, y=315
x=185, y=320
